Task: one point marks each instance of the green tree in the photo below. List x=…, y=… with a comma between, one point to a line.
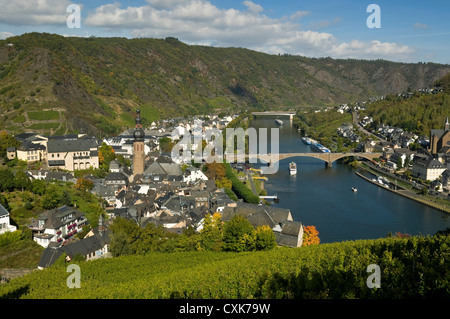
x=238, y=235
x=119, y=244
x=4, y=202
x=6, y=141
x=38, y=186
x=6, y=180
x=211, y=233
x=105, y=155
x=22, y=181
x=265, y=238
x=66, y=199
x=51, y=198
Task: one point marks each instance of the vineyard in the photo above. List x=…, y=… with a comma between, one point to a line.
x=415, y=267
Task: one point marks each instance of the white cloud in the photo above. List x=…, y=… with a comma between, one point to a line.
x=33, y=12
x=253, y=7
x=200, y=22
x=5, y=35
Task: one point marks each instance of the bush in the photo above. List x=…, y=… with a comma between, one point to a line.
x=10, y=237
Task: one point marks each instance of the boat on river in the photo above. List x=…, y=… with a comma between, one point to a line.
x=292, y=168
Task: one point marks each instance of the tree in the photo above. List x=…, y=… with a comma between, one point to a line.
x=105, y=155
x=119, y=244
x=51, y=198
x=4, y=202
x=310, y=236
x=211, y=233
x=22, y=181
x=6, y=141
x=6, y=180
x=265, y=238
x=84, y=184
x=66, y=199
x=166, y=145
x=238, y=235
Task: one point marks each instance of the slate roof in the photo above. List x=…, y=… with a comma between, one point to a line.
x=53, y=217
x=3, y=211
x=49, y=257
x=287, y=231
x=71, y=145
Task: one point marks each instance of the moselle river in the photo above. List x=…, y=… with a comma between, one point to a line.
x=323, y=197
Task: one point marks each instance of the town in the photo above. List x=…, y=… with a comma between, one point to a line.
x=141, y=184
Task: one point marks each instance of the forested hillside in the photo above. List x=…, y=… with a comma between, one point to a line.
x=97, y=83
x=415, y=267
x=418, y=113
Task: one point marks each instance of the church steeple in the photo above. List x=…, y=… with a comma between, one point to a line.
x=138, y=146
x=447, y=125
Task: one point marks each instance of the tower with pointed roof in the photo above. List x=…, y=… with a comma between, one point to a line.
x=138, y=146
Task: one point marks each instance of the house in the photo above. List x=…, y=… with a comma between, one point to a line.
x=287, y=231
x=30, y=152
x=72, y=153
x=11, y=153
x=427, y=168
x=93, y=246
x=5, y=225
x=57, y=225
x=192, y=175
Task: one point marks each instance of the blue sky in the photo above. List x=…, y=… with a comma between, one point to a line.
x=411, y=31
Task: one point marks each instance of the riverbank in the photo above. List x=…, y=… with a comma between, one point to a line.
x=405, y=192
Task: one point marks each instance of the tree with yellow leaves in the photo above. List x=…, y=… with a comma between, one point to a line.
x=310, y=236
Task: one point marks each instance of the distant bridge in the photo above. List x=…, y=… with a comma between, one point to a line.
x=328, y=158
x=276, y=113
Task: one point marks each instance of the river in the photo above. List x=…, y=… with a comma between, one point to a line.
x=323, y=197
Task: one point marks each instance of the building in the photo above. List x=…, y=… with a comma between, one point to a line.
x=138, y=147
x=31, y=152
x=440, y=139
x=5, y=224
x=57, y=225
x=93, y=246
x=72, y=153
x=287, y=231
x=427, y=168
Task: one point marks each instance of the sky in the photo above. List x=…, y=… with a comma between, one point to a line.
x=396, y=30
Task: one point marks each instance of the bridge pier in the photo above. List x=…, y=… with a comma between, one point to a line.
x=328, y=164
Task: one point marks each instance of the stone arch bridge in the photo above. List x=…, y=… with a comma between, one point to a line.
x=328, y=158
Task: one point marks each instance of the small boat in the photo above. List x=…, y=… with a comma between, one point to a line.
x=279, y=122
x=306, y=140
x=292, y=168
x=354, y=189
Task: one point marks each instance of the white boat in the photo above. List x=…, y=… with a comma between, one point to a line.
x=354, y=189
x=306, y=140
x=292, y=168
x=279, y=122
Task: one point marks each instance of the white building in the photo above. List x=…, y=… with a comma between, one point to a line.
x=427, y=168
x=5, y=225
x=57, y=225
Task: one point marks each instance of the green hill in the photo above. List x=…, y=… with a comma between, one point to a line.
x=415, y=267
x=97, y=83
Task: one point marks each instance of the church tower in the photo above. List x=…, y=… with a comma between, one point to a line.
x=447, y=125
x=138, y=146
